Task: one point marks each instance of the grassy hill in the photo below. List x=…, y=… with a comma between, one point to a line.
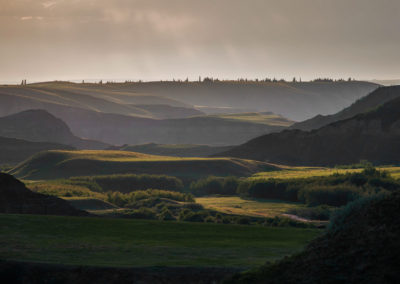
x=174, y=150
x=41, y=126
x=64, y=164
x=372, y=136
x=378, y=97
x=14, y=151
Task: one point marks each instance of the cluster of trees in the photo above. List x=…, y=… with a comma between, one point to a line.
x=215, y=185
x=143, y=197
x=125, y=183
x=335, y=190
x=242, y=80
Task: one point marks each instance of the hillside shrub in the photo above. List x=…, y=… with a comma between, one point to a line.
x=126, y=183
x=215, y=185
x=321, y=212
x=329, y=195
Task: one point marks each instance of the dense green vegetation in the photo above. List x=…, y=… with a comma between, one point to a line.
x=120, y=242
x=215, y=185
x=129, y=182
x=335, y=190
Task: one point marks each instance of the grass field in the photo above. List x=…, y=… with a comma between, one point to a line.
x=64, y=164
x=306, y=172
x=127, y=242
x=247, y=207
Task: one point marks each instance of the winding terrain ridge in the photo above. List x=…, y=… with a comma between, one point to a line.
x=64, y=164
x=123, y=113
x=372, y=136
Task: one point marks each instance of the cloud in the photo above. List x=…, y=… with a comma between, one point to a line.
x=49, y=4
x=155, y=39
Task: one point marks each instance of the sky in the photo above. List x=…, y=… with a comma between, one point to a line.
x=227, y=39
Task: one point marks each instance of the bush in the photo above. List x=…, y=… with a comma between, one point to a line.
x=322, y=212
x=329, y=195
x=339, y=219
x=166, y=215
x=215, y=185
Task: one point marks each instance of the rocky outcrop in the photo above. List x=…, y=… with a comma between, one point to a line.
x=15, y=198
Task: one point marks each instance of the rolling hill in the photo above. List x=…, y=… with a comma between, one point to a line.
x=174, y=150
x=164, y=112
x=116, y=128
x=372, y=136
x=295, y=100
x=14, y=151
x=41, y=126
x=65, y=164
x=371, y=101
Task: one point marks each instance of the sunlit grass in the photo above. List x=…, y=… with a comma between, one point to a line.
x=260, y=118
x=307, y=172
x=247, y=207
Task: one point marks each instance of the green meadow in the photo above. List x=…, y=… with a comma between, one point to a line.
x=128, y=242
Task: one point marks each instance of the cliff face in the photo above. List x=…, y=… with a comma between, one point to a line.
x=17, y=199
x=373, y=136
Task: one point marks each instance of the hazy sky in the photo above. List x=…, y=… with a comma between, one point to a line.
x=164, y=39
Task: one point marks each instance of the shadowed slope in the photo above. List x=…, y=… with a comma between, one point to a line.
x=41, y=126
x=372, y=136
x=373, y=100
x=17, y=199
x=14, y=151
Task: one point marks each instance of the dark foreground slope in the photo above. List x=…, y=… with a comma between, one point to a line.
x=41, y=126
x=361, y=246
x=378, y=97
x=373, y=136
x=15, y=198
x=14, y=151
x=36, y=273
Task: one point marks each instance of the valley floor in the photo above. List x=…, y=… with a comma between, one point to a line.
x=144, y=243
